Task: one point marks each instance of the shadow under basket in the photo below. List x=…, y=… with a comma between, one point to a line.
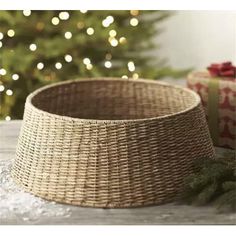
x=110, y=142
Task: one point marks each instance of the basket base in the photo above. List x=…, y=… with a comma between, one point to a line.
x=105, y=205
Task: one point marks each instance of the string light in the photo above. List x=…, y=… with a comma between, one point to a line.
x=9, y=92
x=108, y=64
x=131, y=66
x=40, y=66
x=134, y=22
x=10, y=32
x=112, y=33
x=105, y=23
x=89, y=66
x=7, y=118
x=15, y=76
x=135, y=76
x=40, y=26
x=109, y=20
x=1, y=35
x=90, y=31
x=2, y=88
x=55, y=20
x=83, y=11
x=80, y=25
x=0, y=44
x=122, y=40
x=113, y=42
x=58, y=65
x=134, y=12
x=32, y=47
x=68, y=35
x=3, y=71
x=68, y=58
x=27, y=12
x=124, y=77
x=86, y=61
x=64, y=15
x=108, y=56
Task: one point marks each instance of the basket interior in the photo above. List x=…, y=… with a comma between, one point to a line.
x=113, y=100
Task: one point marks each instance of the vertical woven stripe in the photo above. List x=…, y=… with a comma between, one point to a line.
x=213, y=106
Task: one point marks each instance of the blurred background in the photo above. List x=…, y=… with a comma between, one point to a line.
x=43, y=47
x=198, y=38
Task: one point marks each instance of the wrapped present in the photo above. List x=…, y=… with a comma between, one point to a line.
x=217, y=89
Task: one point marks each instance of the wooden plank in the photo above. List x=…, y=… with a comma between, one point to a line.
x=9, y=132
x=164, y=214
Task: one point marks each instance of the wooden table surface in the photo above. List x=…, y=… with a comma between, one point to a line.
x=163, y=214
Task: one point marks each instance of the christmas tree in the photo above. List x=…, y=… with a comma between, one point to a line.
x=42, y=47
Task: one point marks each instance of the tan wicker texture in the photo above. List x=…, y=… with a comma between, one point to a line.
x=110, y=142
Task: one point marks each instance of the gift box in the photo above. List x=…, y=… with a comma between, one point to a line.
x=217, y=89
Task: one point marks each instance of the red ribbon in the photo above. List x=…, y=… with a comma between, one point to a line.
x=225, y=69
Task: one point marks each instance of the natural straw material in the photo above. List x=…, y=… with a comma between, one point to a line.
x=110, y=142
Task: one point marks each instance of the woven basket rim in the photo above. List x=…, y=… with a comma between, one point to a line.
x=79, y=80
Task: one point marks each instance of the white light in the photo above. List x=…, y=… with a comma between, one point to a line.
x=0, y=44
x=68, y=58
x=89, y=66
x=113, y=42
x=90, y=31
x=134, y=22
x=112, y=33
x=105, y=23
x=9, y=92
x=124, y=77
x=27, y=12
x=131, y=66
x=108, y=64
x=86, y=61
x=1, y=35
x=110, y=19
x=64, y=15
x=55, y=20
x=10, y=32
x=58, y=65
x=68, y=35
x=32, y=47
x=2, y=88
x=40, y=65
x=122, y=40
x=3, y=71
x=7, y=118
x=83, y=11
x=135, y=76
x=134, y=12
x=15, y=76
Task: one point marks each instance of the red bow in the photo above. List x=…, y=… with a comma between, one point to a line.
x=225, y=69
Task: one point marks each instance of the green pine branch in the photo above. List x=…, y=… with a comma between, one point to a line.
x=213, y=182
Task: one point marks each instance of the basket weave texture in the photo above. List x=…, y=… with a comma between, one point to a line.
x=110, y=142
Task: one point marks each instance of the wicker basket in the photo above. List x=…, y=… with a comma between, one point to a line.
x=110, y=142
